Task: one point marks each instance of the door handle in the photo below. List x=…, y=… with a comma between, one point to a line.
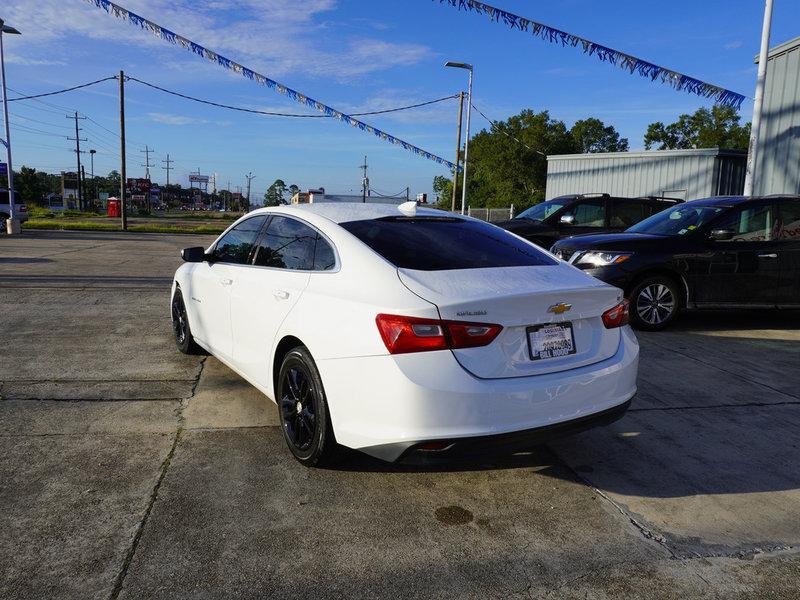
x=226, y=281
x=280, y=294
x=770, y=255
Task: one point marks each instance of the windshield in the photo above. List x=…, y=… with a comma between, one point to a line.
x=541, y=211
x=680, y=220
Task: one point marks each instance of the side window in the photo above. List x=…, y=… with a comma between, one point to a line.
x=324, y=257
x=236, y=245
x=287, y=244
x=657, y=207
x=625, y=213
x=588, y=214
x=790, y=220
x=751, y=224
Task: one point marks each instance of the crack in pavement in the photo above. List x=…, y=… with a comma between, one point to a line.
x=120, y=580
x=718, y=368
x=712, y=406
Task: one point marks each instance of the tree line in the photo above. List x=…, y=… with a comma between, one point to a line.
x=508, y=164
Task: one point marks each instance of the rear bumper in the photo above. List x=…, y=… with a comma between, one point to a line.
x=506, y=442
x=386, y=405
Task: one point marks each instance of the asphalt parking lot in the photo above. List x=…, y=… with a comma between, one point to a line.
x=129, y=470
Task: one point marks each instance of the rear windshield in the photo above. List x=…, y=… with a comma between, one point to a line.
x=444, y=243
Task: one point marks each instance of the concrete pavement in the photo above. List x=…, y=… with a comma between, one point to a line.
x=129, y=470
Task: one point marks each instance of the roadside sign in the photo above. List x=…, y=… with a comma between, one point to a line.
x=3, y=169
x=138, y=197
x=103, y=196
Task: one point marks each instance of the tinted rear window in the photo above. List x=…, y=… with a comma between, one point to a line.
x=441, y=244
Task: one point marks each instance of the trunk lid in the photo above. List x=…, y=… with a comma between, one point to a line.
x=519, y=298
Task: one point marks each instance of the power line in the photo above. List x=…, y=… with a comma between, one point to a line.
x=70, y=89
x=496, y=127
x=282, y=114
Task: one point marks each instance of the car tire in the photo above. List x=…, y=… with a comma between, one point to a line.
x=180, y=326
x=655, y=302
x=303, y=410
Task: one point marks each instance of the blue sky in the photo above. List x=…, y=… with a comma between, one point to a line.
x=356, y=55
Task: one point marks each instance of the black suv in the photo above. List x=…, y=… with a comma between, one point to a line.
x=728, y=252
x=548, y=222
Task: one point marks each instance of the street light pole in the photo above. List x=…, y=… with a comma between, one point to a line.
x=758, y=103
x=466, y=141
x=12, y=225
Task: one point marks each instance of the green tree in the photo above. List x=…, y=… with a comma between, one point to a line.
x=443, y=187
x=592, y=135
x=718, y=127
x=508, y=165
x=275, y=194
x=292, y=190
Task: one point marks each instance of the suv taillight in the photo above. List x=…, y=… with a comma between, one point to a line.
x=617, y=316
x=403, y=334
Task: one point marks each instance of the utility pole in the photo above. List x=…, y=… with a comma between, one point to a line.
x=408, y=192
x=92, y=152
x=249, y=177
x=758, y=103
x=167, y=168
x=11, y=225
x=122, y=171
x=147, y=150
x=458, y=150
x=77, y=139
x=364, y=181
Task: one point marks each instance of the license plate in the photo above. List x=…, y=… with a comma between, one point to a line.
x=552, y=340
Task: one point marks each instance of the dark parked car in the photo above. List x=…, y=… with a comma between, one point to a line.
x=731, y=252
x=550, y=221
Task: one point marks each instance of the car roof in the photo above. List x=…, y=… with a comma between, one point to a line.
x=342, y=212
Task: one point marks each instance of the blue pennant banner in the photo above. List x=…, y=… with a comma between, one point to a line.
x=605, y=54
x=174, y=38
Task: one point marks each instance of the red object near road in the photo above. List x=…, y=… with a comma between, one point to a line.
x=113, y=208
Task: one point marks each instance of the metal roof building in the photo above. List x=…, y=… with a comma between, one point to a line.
x=685, y=174
x=777, y=169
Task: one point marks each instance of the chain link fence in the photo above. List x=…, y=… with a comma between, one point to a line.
x=491, y=215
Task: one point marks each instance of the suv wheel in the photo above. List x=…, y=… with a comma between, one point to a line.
x=303, y=409
x=654, y=303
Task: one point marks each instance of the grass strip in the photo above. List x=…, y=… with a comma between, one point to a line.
x=70, y=225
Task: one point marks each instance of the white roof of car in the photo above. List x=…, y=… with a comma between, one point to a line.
x=342, y=212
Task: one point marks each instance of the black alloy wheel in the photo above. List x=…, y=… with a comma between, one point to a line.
x=180, y=326
x=304, y=411
x=654, y=303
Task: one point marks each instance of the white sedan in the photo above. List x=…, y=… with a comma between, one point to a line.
x=397, y=330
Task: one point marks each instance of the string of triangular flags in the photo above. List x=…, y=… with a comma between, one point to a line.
x=174, y=38
x=678, y=81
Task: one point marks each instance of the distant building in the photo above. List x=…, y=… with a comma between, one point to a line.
x=704, y=172
x=684, y=174
x=777, y=169
x=319, y=195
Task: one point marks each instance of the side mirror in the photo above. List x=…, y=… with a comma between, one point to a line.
x=195, y=254
x=721, y=235
x=567, y=219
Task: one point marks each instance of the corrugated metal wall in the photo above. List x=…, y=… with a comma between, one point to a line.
x=778, y=164
x=686, y=174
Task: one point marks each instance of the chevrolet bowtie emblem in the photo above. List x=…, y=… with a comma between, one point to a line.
x=559, y=309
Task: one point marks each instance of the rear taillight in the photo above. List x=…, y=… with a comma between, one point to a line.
x=617, y=316
x=23, y=209
x=411, y=334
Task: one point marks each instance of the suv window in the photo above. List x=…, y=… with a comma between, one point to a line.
x=287, y=244
x=625, y=213
x=749, y=224
x=236, y=245
x=445, y=243
x=590, y=213
x=790, y=220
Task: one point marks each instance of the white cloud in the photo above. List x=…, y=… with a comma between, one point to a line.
x=170, y=119
x=16, y=59
x=733, y=45
x=276, y=37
